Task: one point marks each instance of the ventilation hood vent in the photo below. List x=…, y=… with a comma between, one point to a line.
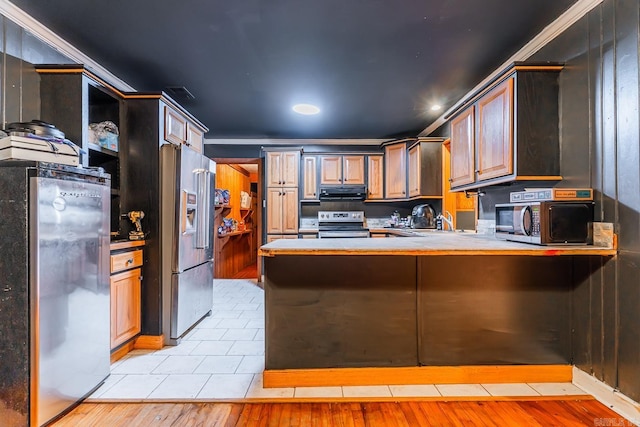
x=343, y=193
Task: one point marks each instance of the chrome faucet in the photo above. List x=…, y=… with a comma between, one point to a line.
x=448, y=219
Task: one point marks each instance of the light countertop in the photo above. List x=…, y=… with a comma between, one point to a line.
x=427, y=243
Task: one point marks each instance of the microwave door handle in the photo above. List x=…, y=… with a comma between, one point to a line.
x=525, y=214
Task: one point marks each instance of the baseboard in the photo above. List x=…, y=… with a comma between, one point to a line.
x=149, y=342
x=121, y=351
x=609, y=397
x=327, y=377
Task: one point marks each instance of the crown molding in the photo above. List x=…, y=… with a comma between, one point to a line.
x=550, y=32
x=21, y=18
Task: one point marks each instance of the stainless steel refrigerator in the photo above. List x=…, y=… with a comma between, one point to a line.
x=187, y=185
x=54, y=311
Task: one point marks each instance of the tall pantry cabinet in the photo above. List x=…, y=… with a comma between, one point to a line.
x=283, y=170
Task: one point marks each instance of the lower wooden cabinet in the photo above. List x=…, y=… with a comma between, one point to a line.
x=126, y=288
x=125, y=306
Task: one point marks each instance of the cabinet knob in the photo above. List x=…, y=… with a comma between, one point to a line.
x=130, y=261
x=450, y=179
x=478, y=171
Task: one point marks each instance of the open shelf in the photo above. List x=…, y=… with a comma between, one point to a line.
x=95, y=148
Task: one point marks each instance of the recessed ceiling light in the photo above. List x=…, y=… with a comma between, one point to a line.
x=436, y=107
x=306, y=109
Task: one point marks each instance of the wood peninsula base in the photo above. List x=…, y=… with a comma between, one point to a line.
x=419, y=311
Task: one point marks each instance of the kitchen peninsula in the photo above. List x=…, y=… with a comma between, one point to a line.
x=443, y=299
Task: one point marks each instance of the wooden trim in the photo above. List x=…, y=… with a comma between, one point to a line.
x=126, y=245
x=417, y=375
x=240, y=169
x=538, y=67
x=538, y=178
x=121, y=351
x=607, y=395
x=149, y=342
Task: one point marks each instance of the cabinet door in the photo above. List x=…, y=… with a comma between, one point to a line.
x=195, y=137
x=290, y=165
x=274, y=210
x=353, y=170
x=414, y=165
x=174, y=126
x=495, y=132
x=375, y=177
x=274, y=169
x=310, y=182
x=125, y=306
x=396, y=172
x=330, y=170
x=290, y=210
x=462, y=148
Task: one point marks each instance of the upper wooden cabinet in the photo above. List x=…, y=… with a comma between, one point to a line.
x=283, y=168
x=395, y=171
x=309, y=178
x=463, y=144
x=495, y=132
x=195, y=137
x=375, y=177
x=425, y=168
x=509, y=131
x=175, y=126
x=342, y=170
x=179, y=130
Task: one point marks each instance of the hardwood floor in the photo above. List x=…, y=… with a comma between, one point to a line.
x=539, y=412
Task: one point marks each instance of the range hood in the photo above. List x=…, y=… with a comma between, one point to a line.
x=357, y=192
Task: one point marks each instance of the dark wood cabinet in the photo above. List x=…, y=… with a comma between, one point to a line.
x=509, y=130
x=424, y=167
x=145, y=128
x=72, y=98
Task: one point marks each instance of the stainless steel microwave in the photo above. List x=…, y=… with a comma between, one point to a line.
x=546, y=223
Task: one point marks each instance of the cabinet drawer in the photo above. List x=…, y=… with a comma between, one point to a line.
x=125, y=260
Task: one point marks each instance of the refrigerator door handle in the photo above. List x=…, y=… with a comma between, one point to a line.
x=202, y=217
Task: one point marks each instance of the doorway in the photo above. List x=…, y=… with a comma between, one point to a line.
x=238, y=218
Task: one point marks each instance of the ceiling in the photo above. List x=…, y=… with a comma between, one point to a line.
x=374, y=67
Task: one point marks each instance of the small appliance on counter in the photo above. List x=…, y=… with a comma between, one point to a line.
x=546, y=223
x=423, y=216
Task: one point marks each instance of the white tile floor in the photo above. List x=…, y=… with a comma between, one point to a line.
x=223, y=358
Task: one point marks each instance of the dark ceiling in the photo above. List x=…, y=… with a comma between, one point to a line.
x=372, y=66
